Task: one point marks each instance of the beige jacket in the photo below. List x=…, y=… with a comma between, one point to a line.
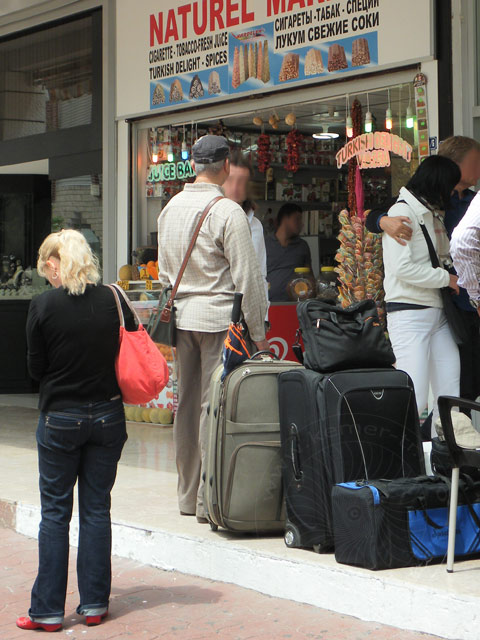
x=223, y=262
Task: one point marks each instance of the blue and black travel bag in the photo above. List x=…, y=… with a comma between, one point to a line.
x=386, y=524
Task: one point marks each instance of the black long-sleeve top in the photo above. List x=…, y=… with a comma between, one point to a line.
x=72, y=346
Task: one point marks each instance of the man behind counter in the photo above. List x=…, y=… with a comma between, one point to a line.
x=286, y=251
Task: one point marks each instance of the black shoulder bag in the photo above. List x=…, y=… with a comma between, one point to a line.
x=454, y=317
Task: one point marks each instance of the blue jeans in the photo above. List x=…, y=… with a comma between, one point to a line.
x=81, y=444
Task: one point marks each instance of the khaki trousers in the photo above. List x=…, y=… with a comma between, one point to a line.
x=198, y=355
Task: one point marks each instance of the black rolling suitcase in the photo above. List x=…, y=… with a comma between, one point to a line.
x=340, y=427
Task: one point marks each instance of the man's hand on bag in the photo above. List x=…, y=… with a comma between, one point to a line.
x=453, y=284
x=397, y=227
x=263, y=345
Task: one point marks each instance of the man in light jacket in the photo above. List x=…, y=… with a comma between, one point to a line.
x=223, y=262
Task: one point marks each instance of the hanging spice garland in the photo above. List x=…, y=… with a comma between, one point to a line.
x=294, y=146
x=264, y=155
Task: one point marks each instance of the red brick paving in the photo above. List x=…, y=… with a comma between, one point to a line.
x=148, y=603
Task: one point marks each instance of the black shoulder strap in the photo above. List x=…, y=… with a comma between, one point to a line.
x=431, y=249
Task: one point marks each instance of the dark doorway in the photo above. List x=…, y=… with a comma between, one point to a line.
x=25, y=220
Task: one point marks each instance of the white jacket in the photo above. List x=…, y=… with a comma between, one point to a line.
x=409, y=275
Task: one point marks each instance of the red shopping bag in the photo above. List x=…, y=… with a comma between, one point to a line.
x=142, y=371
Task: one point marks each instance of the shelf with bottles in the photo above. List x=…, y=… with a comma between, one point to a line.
x=317, y=192
x=324, y=205
x=320, y=223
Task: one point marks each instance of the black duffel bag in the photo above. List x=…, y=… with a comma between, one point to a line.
x=386, y=524
x=337, y=338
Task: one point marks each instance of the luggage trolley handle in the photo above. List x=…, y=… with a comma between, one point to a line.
x=294, y=454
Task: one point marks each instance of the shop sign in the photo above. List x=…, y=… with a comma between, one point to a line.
x=190, y=52
x=170, y=171
x=372, y=150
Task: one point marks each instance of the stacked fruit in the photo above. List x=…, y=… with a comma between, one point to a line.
x=148, y=414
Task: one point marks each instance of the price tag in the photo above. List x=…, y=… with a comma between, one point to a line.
x=125, y=284
x=148, y=285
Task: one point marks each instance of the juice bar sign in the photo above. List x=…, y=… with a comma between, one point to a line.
x=170, y=171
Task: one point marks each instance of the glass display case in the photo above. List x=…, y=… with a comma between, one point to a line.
x=144, y=296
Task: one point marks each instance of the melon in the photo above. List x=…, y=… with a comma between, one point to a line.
x=125, y=272
x=138, y=414
x=165, y=416
x=130, y=413
x=146, y=415
x=154, y=415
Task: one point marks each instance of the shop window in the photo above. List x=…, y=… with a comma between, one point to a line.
x=313, y=180
x=77, y=204
x=46, y=80
x=25, y=219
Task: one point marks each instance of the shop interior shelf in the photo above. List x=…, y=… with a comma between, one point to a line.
x=330, y=170
x=318, y=204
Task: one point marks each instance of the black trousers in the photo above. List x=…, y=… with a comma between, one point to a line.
x=470, y=358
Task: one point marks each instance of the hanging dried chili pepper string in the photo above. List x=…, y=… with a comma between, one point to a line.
x=264, y=154
x=294, y=148
x=356, y=113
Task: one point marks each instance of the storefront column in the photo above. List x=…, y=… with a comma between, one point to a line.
x=109, y=143
x=464, y=65
x=123, y=192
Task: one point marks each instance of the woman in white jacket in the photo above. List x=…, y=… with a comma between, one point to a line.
x=417, y=325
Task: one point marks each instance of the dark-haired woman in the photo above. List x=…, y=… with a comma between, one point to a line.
x=417, y=325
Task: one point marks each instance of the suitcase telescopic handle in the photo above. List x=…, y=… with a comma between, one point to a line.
x=294, y=455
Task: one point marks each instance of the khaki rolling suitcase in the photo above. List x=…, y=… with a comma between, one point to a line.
x=243, y=465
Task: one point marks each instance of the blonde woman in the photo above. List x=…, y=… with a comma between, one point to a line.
x=72, y=336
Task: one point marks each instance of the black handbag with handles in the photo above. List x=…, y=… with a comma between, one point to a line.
x=338, y=338
x=162, y=324
x=454, y=316
x=162, y=332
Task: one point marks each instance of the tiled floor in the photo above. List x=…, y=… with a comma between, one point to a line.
x=147, y=603
x=145, y=496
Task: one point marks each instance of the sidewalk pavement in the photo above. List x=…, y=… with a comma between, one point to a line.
x=148, y=603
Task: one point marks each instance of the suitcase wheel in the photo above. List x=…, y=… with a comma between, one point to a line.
x=213, y=526
x=292, y=536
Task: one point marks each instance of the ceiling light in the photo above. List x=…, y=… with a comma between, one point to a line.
x=409, y=119
x=368, y=118
x=368, y=122
x=184, y=146
x=388, y=120
x=388, y=115
x=349, y=127
x=325, y=135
